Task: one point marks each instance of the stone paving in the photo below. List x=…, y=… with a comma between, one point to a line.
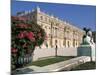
x=56, y=66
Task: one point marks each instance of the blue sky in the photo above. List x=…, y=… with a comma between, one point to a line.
x=79, y=15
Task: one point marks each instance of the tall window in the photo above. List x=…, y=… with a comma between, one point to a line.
x=73, y=42
x=64, y=43
x=41, y=17
x=55, y=32
x=46, y=19
x=76, y=44
x=55, y=42
x=68, y=43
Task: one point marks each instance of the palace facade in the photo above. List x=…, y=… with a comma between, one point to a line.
x=60, y=33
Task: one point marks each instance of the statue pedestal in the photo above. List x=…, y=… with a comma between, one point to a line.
x=87, y=50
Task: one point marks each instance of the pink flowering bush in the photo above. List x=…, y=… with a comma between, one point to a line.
x=25, y=35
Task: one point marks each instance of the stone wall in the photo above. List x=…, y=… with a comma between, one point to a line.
x=44, y=53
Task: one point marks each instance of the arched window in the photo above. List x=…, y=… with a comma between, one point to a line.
x=64, y=43
x=76, y=44
x=68, y=44
x=73, y=42
x=41, y=17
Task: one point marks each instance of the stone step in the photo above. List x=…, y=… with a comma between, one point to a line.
x=68, y=64
x=61, y=65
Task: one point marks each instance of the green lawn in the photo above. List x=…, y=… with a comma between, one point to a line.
x=49, y=61
x=86, y=66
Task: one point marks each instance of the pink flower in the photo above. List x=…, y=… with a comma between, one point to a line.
x=22, y=25
x=33, y=39
x=19, y=18
x=21, y=35
x=14, y=50
x=22, y=18
x=39, y=34
x=14, y=18
x=30, y=36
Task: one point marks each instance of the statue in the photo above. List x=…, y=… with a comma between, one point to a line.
x=88, y=38
x=87, y=48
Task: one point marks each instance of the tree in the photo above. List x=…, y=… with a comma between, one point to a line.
x=25, y=36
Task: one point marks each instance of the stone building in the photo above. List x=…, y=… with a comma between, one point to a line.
x=60, y=33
